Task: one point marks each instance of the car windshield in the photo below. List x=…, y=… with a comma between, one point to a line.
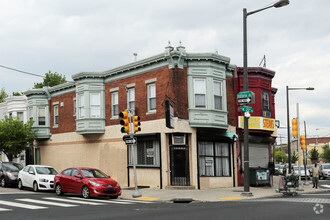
x=326, y=166
x=12, y=167
x=46, y=170
x=91, y=173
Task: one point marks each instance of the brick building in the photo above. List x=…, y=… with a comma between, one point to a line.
x=77, y=122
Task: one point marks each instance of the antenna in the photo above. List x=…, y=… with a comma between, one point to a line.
x=135, y=56
x=263, y=60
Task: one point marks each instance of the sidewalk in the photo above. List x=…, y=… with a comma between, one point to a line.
x=212, y=195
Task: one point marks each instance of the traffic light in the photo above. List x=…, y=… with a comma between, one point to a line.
x=136, y=123
x=302, y=142
x=124, y=122
x=294, y=127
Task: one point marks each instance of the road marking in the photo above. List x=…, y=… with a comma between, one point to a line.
x=46, y=202
x=105, y=201
x=147, y=199
x=1, y=209
x=136, y=201
x=326, y=186
x=21, y=205
x=303, y=200
x=73, y=201
x=230, y=198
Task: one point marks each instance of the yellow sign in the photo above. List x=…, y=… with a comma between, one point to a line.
x=259, y=123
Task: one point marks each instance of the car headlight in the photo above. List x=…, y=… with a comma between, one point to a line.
x=93, y=183
x=10, y=175
x=43, y=180
x=118, y=184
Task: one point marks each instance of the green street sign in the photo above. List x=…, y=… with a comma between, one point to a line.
x=245, y=94
x=246, y=108
x=245, y=97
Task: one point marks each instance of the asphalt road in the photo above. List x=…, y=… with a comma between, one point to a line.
x=46, y=205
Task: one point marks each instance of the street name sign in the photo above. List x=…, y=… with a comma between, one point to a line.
x=130, y=140
x=245, y=97
x=245, y=108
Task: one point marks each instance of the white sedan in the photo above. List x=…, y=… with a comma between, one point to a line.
x=37, y=177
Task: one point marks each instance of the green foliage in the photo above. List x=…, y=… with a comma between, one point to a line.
x=280, y=156
x=15, y=136
x=3, y=95
x=17, y=93
x=294, y=157
x=326, y=153
x=51, y=79
x=314, y=154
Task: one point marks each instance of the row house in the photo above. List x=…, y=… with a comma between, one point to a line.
x=77, y=123
x=16, y=106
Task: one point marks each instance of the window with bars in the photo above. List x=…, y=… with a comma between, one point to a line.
x=147, y=153
x=214, y=158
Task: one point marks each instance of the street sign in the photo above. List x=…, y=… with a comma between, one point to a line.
x=246, y=108
x=245, y=97
x=130, y=140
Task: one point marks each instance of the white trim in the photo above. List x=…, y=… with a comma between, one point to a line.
x=116, y=89
x=148, y=81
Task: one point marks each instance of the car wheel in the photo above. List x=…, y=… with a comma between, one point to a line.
x=58, y=190
x=35, y=187
x=20, y=184
x=3, y=182
x=85, y=192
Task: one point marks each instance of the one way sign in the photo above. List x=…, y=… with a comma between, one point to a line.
x=244, y=98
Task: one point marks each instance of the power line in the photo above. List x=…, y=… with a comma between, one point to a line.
x=32, y=74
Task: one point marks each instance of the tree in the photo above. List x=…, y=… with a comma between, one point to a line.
x=17, y=93
x=51, y=79
x=326, y=153
x=294, y=157
x=15, y=136
x=314, y=155
x=3, y=95
x=280, y=156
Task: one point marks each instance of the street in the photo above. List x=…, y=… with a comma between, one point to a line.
x=27, y=204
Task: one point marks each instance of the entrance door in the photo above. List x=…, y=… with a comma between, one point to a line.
x=180, y=166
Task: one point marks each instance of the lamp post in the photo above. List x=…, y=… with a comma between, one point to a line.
x=278, y=4
x=288, y=120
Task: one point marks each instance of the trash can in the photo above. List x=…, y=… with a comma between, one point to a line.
x=259, y=176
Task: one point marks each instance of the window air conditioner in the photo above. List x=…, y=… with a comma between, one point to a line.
x=178, y=139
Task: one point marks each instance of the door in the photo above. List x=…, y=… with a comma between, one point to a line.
x=180, y=166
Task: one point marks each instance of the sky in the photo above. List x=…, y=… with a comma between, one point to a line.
x=72, y=36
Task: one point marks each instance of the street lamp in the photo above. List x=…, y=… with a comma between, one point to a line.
x=278, y=4
x=288, y=119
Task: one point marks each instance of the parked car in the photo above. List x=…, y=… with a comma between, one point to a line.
x=302, y=172
x=37, y=177
x=277, y=172
x=9, y=173
x=324, y=171
x=87, y=182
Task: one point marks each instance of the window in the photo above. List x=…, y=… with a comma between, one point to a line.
x=56, y=115
x=20, y=116
x=200, y=93
x=95, y=105
x=214, y=158
x=81, y=105
x=265, y=101
x=151, y=90
x=131, y=98
x=30, y=114
x=67, y=172
x=147, y=153
x=41, y=116
x=74, y=106
x=217, y=95
x=114, y=104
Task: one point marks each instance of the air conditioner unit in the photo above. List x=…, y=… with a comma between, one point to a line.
x=266, y=114
x=178, y=139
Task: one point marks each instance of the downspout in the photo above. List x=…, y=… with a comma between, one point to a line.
x=46, y=90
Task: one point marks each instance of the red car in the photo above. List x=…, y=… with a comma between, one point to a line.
x=87, y=182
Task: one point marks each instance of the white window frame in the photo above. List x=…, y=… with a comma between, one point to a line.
x=40, y=116
x=81, y=106
x=56, y=113
x=151, y=96
x=95, y=104
x=200, y=93
x=131, y=98
x=218, y=95
x=114, y=104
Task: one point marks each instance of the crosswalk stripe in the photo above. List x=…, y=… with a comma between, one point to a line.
x=105, y=201
x=73, y=201
x=136, y=201
x=326, y=186
x=21, y=205
x=46, y=202
x=1, y=209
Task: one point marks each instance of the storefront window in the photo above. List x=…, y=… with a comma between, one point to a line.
x=146, y=154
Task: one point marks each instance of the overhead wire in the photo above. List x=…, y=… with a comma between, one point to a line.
x=32, y=74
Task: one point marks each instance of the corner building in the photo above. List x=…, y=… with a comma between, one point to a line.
x=78, y=124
